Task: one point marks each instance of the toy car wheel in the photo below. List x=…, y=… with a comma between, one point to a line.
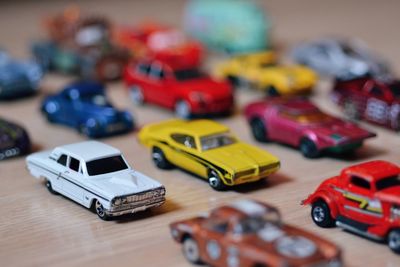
x=159, y=159
x=109, y=69
x=215, y=181
x=136, y=94
x=83, y=129
x=100, y=211
x=50, y=187
x=308, y=148
x=394, y=240
x=259, y=130
x=182, y=109
x=351, y=110
x=272, y=91
x=321, y=214
x=191, y=250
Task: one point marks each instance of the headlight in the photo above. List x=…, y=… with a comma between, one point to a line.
x=117, y=201
x=162, y=191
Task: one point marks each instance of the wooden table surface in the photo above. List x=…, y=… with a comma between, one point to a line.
x=40, y=229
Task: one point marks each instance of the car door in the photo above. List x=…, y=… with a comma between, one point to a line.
x=284, y=127
x=157, y=81
x=60, y=168
x=377, y=104
x=73, y=180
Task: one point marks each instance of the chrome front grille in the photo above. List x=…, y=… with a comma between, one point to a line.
x=139, y=199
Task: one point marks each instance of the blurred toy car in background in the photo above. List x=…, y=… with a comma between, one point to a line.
x=96, y=176
x=341, y=59
x=299, y=123
x=18, y=78
x=370, y=99
x=159, y=42
x=363, y=199
x=80, y=45
x=173, y=85
x=231, y=26
x=207, y=149
x=14, y=140
x=249, y=233
x=260, y=70
x=85, y=107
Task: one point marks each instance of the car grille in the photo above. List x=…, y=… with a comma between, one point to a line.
x=244, y=173
x=140, y=199
x=268, y=167
x=261, y=170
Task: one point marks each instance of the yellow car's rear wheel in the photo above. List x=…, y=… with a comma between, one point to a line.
x=159, y=159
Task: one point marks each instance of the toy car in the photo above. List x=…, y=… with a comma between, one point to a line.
x=207, y=149
x=172, y=85
x=341, y=59
x=233, y=26
x=249, y=233
x=81, y=45
x=299, y=123
x=370, y=99
x=14, y=140
x=363, y=199
x=259, y=70
x=151, y=40
x=18, y=78
x=85, y=107
x=96, y=176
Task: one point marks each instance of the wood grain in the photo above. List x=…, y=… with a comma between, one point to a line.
x=39, y=229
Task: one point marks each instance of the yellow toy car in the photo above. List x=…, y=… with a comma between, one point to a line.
x=208, y=149
x=259, y=70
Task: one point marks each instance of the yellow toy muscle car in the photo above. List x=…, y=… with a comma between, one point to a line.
x=259, y=70
x=208, y=149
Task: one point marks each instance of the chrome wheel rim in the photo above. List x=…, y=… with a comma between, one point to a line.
x=99, y=209
x=191, y=250
x=318, y=214
x=157, y=158
x=136, y=95
x=182, y=109
x=394, y=240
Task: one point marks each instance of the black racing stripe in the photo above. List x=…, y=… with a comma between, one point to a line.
x=58, y=175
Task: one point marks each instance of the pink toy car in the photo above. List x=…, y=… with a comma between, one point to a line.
x=299, y=123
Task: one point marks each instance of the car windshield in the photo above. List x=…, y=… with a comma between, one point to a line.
x=106, y=165
x=215, y=141
x=188, y=74
x=307, y=117
x=387, y=182
x=255, y=224
x=96, y=99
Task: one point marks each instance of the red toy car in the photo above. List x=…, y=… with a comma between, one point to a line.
x=364, y=199
x=299, y=123
x=370, y=99
x=174, y=86
x=150, y=40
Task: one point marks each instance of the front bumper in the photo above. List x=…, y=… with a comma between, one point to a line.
x=136, y=207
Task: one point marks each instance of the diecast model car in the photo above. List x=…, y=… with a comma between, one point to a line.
x=238, y=26
x=18, y=78
x=248, y=233
x=207, y=149
x=260, y=70
x=341, y=59
x=173, y=85
x=363, y=199
x=14, y=140
x=98, y=177
x=299, y=123
x=156, y=41
x=85, y=107
x=370, y=99
x=80, y=45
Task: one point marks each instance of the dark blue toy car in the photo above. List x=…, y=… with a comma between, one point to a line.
x=85, y=107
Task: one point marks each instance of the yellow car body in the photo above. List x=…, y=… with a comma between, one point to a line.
x=260, y=71
x=207, y=148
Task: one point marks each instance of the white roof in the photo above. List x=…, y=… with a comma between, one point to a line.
x=89, y=150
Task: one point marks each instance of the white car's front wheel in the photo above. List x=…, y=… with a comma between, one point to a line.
x=101, y=211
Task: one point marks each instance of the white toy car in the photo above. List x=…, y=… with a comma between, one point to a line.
x=96, y=176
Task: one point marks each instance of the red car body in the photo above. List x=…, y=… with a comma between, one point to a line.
x=364, y=199
x=370, y=99
x=160, y=42
x=299, y=123
x=174, y=86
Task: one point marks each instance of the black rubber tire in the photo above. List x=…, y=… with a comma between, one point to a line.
x=50, y=187
x=215, y=181
x=191, y=250
x=309, y=149
x=234, y=81
x=259, y=130
x=159, y=159
x=393, y=240
x=271, y=91
x=321, y=214
x=99, y=209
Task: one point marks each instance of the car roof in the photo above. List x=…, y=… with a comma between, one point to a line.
x=199, y=127
x=89, y=150
x=85, y=87
x=373, y=170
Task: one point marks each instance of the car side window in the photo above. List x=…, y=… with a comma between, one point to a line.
x=157, y=72
x=360, y=182
x=218, y=226
x=74, y=164
x=62, y=160
x=143, y=68
x=376, y=91
x=184, y=139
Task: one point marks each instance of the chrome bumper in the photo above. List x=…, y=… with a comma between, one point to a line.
x=136, y=208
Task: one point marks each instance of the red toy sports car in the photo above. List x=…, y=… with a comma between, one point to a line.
x=150, y=40
x=364, y=199
x=172, y=85
x=370, y=99
x=299, y=123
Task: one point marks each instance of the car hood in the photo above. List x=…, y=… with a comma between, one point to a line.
x=391, y=194
x=123, y=183
x=240, y=156
x=207, y=86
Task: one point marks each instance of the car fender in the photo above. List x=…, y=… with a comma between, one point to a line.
x=327, y=197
